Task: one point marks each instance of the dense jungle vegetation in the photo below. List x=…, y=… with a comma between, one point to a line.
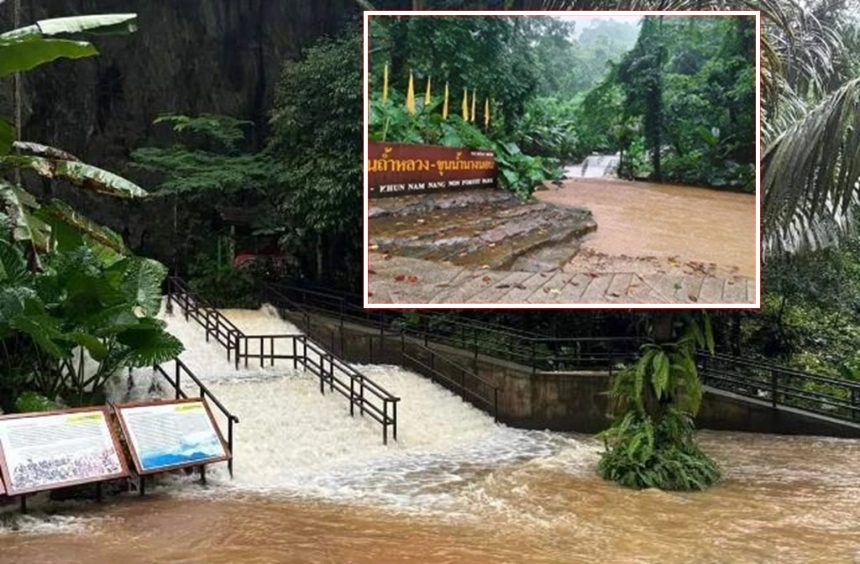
x=674, y=96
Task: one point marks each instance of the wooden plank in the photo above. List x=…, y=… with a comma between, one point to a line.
x=501, y=286
x=664, y=286
x=617, y=290
x=751, y=290
x=549, y=289
x=461, y=289
x=596, y=290
x=640, y=292
x=711, y=291
x=521, y=291
x=573, y=288
x=689, y=290
x=735, y=290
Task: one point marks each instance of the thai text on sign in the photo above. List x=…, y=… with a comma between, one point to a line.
x=396, y=169
x=55, y=449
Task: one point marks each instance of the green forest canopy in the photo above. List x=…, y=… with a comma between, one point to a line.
x=674, y=95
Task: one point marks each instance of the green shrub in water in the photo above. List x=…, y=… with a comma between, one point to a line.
x=652, y=443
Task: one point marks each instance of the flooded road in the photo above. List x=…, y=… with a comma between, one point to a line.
x=643, y=225
x=783, y=499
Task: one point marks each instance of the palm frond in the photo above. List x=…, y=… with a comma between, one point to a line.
x=811, y=173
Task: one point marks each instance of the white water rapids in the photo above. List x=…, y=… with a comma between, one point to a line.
x=594, y=166
x=292, y=440
x=313, y=484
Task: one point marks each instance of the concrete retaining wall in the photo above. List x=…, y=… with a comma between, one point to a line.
x=559, y=401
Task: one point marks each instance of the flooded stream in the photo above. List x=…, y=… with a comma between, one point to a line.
x=783, y=500
x=313, y=484
x=664, y=224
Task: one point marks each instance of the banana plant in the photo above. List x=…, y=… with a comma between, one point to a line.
x=75, y=305
x=24, y=49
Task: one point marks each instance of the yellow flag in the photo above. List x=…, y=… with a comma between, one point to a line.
x=427, y=94
x=385, y=83
x=410, y=95
x=445, y=103
x=474, y=98
x=465, y=104
x=486, y=113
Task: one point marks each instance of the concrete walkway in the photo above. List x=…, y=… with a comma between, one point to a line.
x=403, y=280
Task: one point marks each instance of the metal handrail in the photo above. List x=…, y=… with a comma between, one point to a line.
x=542, y=352
x=238, y=342
x=491, y=403
x=782, y=385
x=180, y=369
x=475, y=336
x=331, y=369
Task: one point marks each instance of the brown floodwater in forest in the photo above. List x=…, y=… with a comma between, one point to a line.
x=666, y=224
x=783, y=499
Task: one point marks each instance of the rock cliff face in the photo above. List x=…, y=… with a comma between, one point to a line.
x=188, y=56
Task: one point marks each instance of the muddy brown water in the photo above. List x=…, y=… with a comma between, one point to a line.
x=643, y=219
x=783, y=499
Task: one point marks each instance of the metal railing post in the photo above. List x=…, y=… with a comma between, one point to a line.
x=773, y=385
x=230, y=445
x=533, y=360
x=352, y=395
x=394, y=418
x=169, y=305
x=385, y=421
x=855, y=401
x=176, y=377
x=238, y=352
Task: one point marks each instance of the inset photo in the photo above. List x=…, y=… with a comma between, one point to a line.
x=569, y=160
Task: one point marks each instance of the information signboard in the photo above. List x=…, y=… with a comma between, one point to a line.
x=172, y=434
x=397, y=169
x=48, y=450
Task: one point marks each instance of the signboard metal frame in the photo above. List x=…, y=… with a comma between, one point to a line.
x=118, y=408
x=123, y=473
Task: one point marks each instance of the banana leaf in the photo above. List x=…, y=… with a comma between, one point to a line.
x=97, y=24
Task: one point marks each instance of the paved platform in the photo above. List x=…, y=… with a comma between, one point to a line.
x=404, y=280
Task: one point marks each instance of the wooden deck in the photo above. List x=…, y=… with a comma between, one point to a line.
x=402, y=280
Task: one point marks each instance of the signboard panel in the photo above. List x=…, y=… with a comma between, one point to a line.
x=48, y=450
x=168, y=435
x=398, y=169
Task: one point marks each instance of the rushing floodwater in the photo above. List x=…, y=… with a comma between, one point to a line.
x=313, y=484
x=663, y=221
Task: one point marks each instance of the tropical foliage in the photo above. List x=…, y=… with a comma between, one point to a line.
x=75, y=306
x=316, y=122
x=651, y=443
